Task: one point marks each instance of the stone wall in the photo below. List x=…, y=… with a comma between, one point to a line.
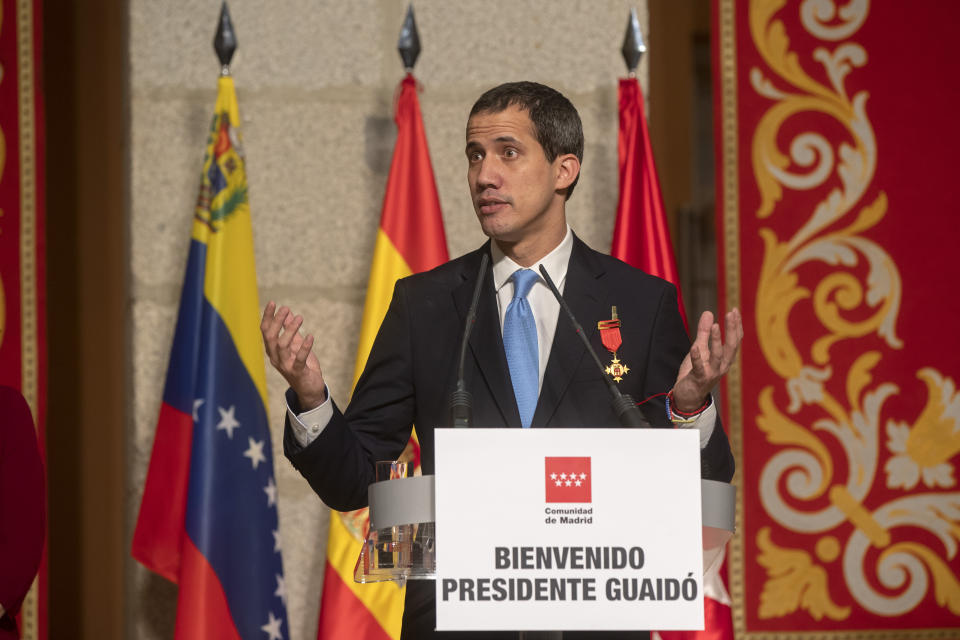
x=315, y=81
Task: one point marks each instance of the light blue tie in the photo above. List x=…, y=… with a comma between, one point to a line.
x=520, y=344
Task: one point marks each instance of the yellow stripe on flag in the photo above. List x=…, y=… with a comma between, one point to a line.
x=238, y=306
x=386, y=268
x=383, y=600
x=223, y=223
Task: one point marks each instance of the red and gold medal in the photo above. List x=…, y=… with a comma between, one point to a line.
x=610, y=336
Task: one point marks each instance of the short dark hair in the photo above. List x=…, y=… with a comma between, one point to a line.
x=556, y=123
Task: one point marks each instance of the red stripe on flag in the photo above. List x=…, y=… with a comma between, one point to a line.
x=641, y=235
x=157, y=539
x=342, y=615
x=202, y=610
x=411, y=208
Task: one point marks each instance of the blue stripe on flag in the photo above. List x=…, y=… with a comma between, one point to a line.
x=228, y=516
x=178, y=392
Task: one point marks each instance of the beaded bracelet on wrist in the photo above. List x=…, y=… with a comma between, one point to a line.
x=681, y=417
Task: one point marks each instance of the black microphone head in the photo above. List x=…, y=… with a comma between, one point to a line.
x=628, y=413
x=461, y=408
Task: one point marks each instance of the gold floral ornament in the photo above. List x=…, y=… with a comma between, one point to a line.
x=905, y=568
x=946, y=588
x=859, y=297
x=924, y=450
x=796, y=582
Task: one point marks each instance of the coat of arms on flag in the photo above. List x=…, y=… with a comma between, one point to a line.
x=568, y=479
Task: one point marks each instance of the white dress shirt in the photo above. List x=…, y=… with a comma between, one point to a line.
x=307, y=425
x=545, y=307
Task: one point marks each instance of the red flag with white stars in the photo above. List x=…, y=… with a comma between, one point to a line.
x=568, y=479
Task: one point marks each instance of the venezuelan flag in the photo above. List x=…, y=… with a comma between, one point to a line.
x=208, y=519
x=410, y=240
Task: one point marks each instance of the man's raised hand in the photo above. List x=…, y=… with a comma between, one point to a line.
x=709, y=359
x=291, y=354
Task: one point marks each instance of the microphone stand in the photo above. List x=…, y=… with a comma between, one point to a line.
x=461, y=400
x=623, y=405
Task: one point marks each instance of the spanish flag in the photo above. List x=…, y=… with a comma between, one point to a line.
x=641, y=236
x=208, y=519
x=410, y=239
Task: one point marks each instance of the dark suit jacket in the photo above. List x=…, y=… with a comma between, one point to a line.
x=411, y=371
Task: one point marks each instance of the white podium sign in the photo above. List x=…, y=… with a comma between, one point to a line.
x=568, y=529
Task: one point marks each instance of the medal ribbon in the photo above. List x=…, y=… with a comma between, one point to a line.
x=610, y=335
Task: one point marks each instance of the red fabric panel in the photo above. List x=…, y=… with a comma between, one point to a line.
x=23, y=351
x=10, y=222
x=836, y=158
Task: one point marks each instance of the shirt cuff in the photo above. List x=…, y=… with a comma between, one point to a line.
x=705, y=422
x=308, y=425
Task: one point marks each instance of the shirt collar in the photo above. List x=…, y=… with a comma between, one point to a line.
x=555, y=262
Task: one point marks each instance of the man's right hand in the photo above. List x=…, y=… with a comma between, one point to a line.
x=291, y=354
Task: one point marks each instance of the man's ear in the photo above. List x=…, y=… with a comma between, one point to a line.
x=568, y=168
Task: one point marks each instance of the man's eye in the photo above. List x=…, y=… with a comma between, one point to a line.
x=510, y=153
x=474, y=156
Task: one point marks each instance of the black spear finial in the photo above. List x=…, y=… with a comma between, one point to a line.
x=225, y=42
x=409, y=43
x=633, y=47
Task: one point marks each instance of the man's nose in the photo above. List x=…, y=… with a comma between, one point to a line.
x=488, y=174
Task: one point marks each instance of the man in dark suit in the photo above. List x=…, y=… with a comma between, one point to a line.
x=524, y=148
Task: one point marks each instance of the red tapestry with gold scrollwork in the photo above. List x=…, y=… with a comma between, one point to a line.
x=837, y=139
x=22, y=301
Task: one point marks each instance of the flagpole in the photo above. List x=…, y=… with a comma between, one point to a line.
x=633, y=46
x=408, y=44
x=225, y=40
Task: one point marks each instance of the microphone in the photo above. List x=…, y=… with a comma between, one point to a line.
x=623, y=404
x=461, y=400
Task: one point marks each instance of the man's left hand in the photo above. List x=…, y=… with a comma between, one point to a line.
x=709, y=359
